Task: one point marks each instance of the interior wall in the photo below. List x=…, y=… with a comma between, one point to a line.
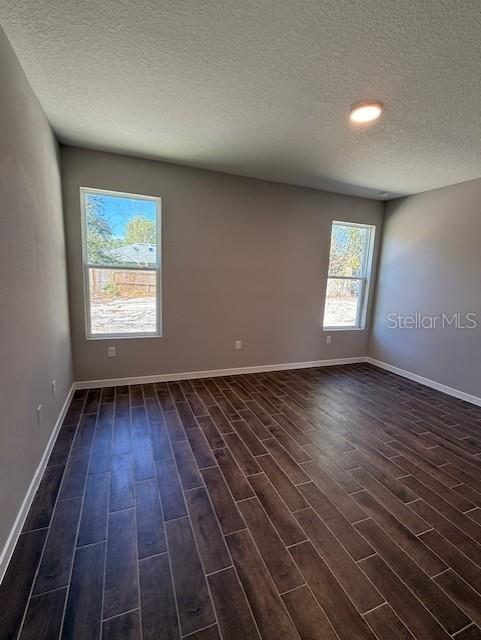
x=431, y=264
x=34, y=322
x=242, y=259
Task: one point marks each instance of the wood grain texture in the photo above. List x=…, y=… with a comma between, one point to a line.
x=121, y=591
x=83, y=613
x=233, y=612
x=414, y=615
x=310, y=620
x=412, y=545
x=102, y=441
x=283, y=571
x=342, y=614
x=443, y=609
x=207, y=533
x=150, y=525
x=335, y=503
x=280, y=516
x=122, y=482
x=229, y=517
x=93, y=523
x=76, y=473
x=266, y=604
x=159, y=615
x=238, y=484
x=211, y=633
x=123, y=627
x=43, y=619
x=354, y=581
x=171, y=494
x=193, y=599
x=386, y=624
x=44, y=502
x=54, y=570
x=187, y=466
x=17, y=582
x=286, y=489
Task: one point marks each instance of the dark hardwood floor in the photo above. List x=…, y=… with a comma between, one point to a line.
x=318, y=504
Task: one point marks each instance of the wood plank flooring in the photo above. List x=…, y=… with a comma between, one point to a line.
x=332, y=503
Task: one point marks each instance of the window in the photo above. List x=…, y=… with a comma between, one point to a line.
x=121, y=255
x=348, y=279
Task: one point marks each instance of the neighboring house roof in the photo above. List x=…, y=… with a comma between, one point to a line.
x=138, y=253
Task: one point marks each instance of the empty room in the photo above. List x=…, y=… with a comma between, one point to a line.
x=240, y=307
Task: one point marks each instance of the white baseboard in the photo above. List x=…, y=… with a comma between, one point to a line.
x=16, y=530
x=192, y=375
x=450, y=391
x=12, y=539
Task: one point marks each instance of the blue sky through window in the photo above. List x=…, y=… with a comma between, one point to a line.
x=118, y=210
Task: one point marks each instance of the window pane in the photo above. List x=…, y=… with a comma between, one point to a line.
x=348, y=249
x=122, y=301
x=120, y=230
x=342, y=302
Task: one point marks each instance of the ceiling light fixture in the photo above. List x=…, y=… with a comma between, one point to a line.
x=363, y=112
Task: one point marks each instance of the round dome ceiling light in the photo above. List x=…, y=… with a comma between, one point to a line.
x=363, y=112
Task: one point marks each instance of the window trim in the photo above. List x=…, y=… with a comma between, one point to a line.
x=364, y=278
x=86, y=266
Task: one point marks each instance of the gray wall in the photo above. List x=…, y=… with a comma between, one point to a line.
x=34, y=325
x=242, y=258
x=431, y=263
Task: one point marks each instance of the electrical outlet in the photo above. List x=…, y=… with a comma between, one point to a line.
x=328, y=339
x=54, y=388
x=238, y=344
x=39, y=414
x=111, y=352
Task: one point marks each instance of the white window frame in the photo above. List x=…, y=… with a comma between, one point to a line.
x=87, y=266
x=364, y=278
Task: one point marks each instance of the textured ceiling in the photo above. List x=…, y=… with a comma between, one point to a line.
x=263, y=87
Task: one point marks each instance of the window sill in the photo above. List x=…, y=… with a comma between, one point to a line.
x=132, y=336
